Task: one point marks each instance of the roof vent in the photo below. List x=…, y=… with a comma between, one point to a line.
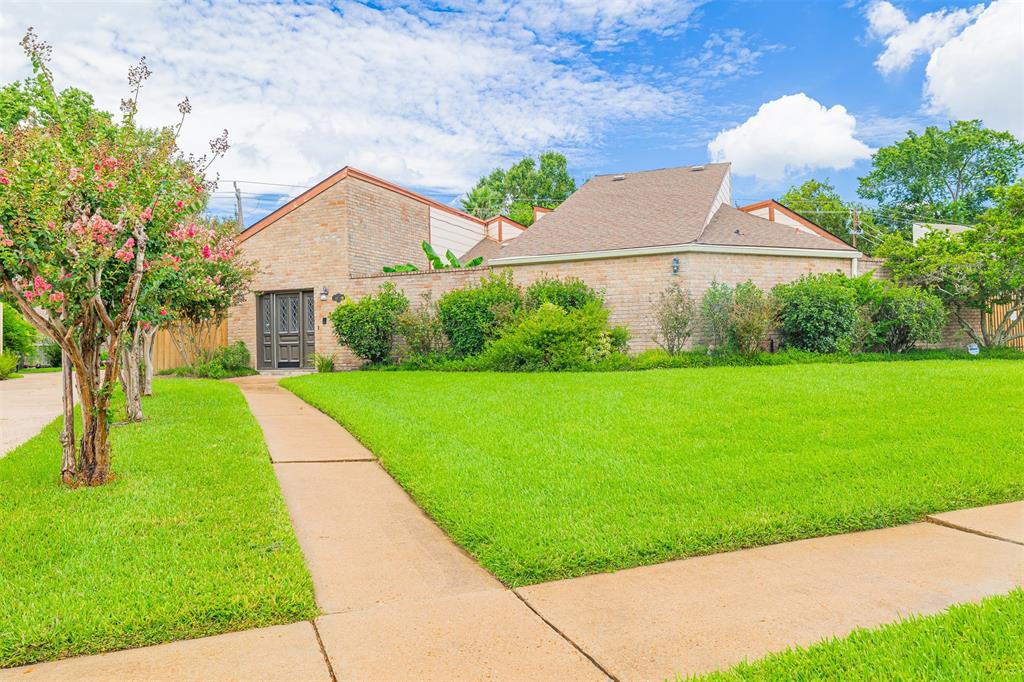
x=697, y=168
x=617, y=178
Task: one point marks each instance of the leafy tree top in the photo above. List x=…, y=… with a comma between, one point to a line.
x=527, y=183
x=948, y=175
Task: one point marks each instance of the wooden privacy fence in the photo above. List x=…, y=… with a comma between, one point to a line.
x=165, y=352
x=1001, y=310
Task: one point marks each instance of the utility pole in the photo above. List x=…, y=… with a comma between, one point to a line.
x=238, y=208
x=854, y=231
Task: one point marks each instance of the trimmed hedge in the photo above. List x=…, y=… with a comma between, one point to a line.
x=368, y=326
x=818, y=314
x=473, y=316
x=568, y=294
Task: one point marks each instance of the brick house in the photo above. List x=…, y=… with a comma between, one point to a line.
x=631, y=234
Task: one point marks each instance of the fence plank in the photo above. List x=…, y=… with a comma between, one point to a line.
x=166, y=355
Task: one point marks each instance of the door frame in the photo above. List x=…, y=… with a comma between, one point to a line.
x=307, y=333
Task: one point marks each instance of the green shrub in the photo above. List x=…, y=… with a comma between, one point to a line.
x=324, y=363
x=674, y=313
x=753, y=318
x=19, y=336
x=421, y=330
x=368, y=326
x=473, y=316
x=8, y=363
x=568, y=294
x=818, y=313
x=231, y=358
x=550, y=338
x=905, y=315
x=715, y=311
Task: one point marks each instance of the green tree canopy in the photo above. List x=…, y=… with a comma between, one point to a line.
x=527, y=183
x=948, y=175
x=973, y=270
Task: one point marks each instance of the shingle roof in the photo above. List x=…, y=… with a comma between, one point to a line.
x=733, y=227
x=486, y=247
x=654, y=208
x=648, y=208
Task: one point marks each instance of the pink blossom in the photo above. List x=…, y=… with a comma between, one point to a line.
x=111, y=162
x=73, y=174
x=4, y=180
x=163, y=312
x=40, y=284
x=207, y=252
x=110, y=184
x=146, y=214
x=96, y=167
x=179, y=203
x=145, y=325
x=51, y=225
x=57, y=297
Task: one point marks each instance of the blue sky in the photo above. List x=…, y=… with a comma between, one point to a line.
x=431, y=96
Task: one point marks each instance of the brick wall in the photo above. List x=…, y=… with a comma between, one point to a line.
x=384, y=228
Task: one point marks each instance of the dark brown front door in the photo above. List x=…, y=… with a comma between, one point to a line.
x=286, y=328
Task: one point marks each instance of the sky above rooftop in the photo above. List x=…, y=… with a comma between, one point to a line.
x=431, y=96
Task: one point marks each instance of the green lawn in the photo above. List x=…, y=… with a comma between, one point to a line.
x=968, y=642
x=191, y=539
x=546, y=476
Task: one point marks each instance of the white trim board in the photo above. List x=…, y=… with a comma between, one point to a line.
x=678, y=248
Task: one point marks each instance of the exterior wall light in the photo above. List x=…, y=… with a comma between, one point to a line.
x=323, y=294
x=675, y=266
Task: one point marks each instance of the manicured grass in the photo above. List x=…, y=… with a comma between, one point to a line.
x=39, y=370
x=546, y=476
x=968, y=642
x=191, y=539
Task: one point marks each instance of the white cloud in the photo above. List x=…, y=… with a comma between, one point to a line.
x=425, y=97
x=790, y=135
x=729, y=53
x=980, y=73
x=905, y=40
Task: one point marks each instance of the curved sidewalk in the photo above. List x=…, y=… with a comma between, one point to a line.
x=402, y=602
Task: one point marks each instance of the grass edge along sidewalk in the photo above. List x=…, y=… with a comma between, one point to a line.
x=191, y=539
x=548, y=476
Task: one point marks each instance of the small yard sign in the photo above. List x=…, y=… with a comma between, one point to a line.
x=972, y=348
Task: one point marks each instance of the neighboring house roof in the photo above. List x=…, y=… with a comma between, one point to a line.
x=331, y=181
x=487, y=248
x=919, y=230
x=774, y=206
x=661, y=209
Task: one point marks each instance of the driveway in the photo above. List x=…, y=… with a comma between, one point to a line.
x=26, y=406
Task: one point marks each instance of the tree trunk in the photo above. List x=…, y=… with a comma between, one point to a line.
x=68, y=465
x=94, y=450
x=130, y=376
x=148, y=344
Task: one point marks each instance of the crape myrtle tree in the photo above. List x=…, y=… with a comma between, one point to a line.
x=974, y=270
x=81, y=199
x=210, y=277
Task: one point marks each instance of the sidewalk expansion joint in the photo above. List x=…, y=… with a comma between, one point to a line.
x=972, y=531
x=323, y=652
x=566, y=637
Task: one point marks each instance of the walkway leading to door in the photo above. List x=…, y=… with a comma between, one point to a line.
x=27, y=405
x=402, y=602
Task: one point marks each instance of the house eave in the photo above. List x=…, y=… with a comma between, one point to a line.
x=679, y=248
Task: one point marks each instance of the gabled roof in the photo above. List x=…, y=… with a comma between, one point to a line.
x=772, y=205
x=660, y=210
x=331, y=181
x=648, y=208
x=735, y=227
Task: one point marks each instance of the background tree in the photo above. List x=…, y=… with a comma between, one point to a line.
x=945, y=175
x=80, y=201
x=973, y=270
x=19, y=336
x=527, y=183
x=820, y=202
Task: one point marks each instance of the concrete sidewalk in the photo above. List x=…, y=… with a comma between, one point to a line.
x=27, y=404
x=402, y=602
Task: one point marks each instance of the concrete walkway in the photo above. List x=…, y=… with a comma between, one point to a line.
x=402, y=602
x=27, y=405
